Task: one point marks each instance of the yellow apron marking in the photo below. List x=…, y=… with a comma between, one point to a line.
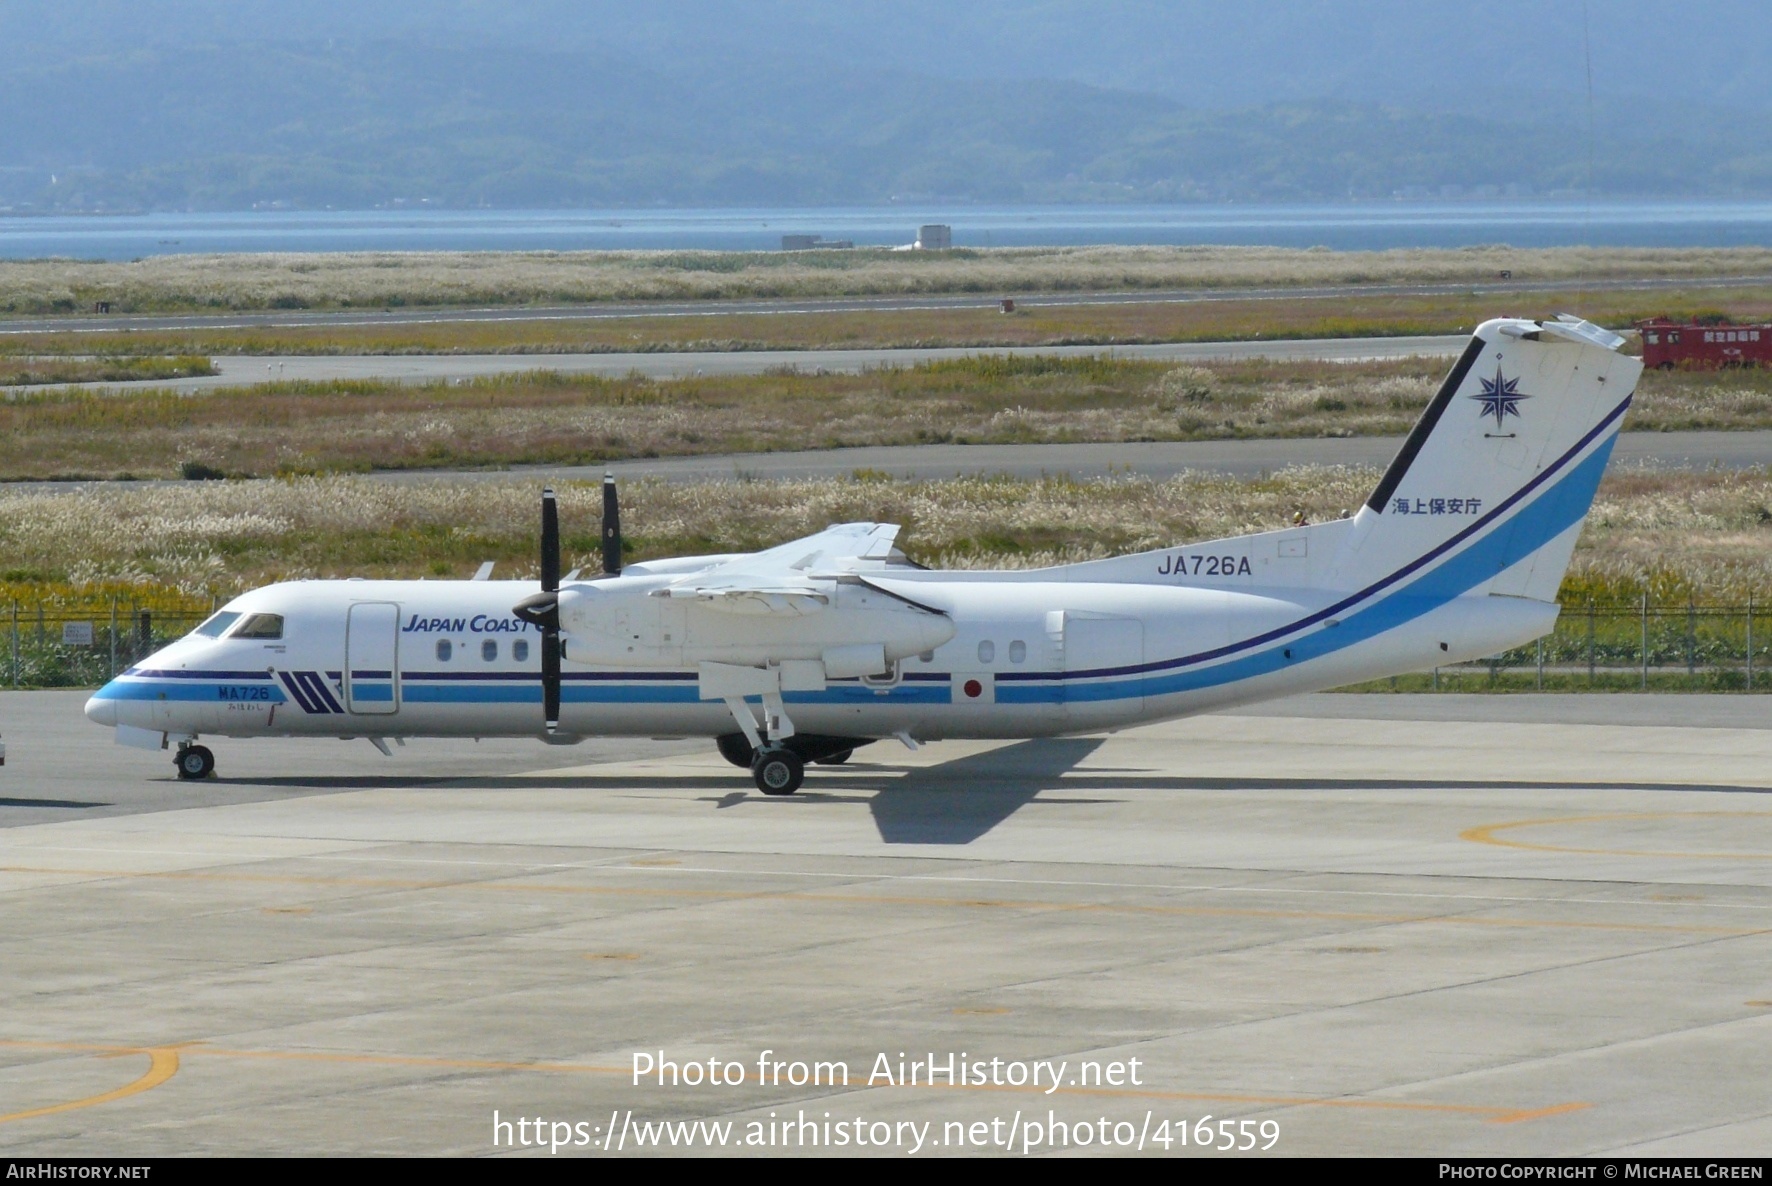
x=1487, y=834
x=162, y=1065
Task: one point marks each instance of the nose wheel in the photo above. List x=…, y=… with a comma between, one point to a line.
x=194, y=761
x=778, y=770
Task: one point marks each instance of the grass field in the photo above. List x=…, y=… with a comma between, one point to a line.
x=544, y=418
x=1673, y=534
x=1367, y=315
x=183, y=283
x=25, y=372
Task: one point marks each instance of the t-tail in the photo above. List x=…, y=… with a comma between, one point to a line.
x=1462, y=546
x=1491, y=487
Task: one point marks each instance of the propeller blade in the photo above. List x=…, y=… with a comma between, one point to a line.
x=550, y=542
x=611, y=528
x=550, y=678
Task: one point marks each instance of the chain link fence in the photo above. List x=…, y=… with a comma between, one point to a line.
x=1641, y=645
x=80, y=642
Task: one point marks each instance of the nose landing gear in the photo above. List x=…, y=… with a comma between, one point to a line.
x=194, y=761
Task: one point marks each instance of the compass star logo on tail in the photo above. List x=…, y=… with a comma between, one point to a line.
x=1500, y=397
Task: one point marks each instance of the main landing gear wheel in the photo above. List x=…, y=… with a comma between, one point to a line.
x=778, y=771
x=195, y=761
x=735, y=749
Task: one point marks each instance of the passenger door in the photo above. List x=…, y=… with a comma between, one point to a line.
x=1098, y=651
x=372, y=658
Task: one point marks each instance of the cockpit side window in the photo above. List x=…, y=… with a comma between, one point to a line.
x=217, y=624
x=261, y=626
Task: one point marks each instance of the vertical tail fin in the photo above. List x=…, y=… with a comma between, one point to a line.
x=1502, y=466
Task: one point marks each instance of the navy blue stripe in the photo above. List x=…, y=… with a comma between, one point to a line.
x=1561, y=508
x=1341, y=606
x=532, y=676
x=321, y=693
x=298, y=692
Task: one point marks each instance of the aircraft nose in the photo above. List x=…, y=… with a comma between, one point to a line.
x=101, y=710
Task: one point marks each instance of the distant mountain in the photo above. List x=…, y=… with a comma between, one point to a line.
x=201, y=103
x=1426, y=54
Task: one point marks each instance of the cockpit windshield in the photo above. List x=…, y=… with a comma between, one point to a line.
x=264, y=626
x=217, y=624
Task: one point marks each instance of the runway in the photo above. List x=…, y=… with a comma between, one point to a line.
x=240, y=371
x=1158, y=460
x=1151, y=459
x=906, y=302
x=1497, y=925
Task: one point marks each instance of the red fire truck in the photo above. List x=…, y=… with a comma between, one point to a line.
x=1668, y=344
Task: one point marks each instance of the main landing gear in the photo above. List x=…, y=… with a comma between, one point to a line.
x=779, y=767
x=778, y=770
x=194, y=761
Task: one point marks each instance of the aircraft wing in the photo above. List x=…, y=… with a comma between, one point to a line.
x=793, y=578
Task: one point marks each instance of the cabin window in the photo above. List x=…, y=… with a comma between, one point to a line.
x=489, y=650
x=520, y=650
x=445, y=650
x=1654, y=339
x=1018, y=651
x=217, y=624
x=262, y=626
x=1673, y=337
x=1755, y=335
x=987, y=651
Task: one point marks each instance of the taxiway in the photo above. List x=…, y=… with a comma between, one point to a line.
x=1394, y=925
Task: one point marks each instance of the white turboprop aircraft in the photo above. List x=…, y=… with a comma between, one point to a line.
x=842, y=641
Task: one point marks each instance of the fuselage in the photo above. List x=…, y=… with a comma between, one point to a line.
x=1031, y=654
